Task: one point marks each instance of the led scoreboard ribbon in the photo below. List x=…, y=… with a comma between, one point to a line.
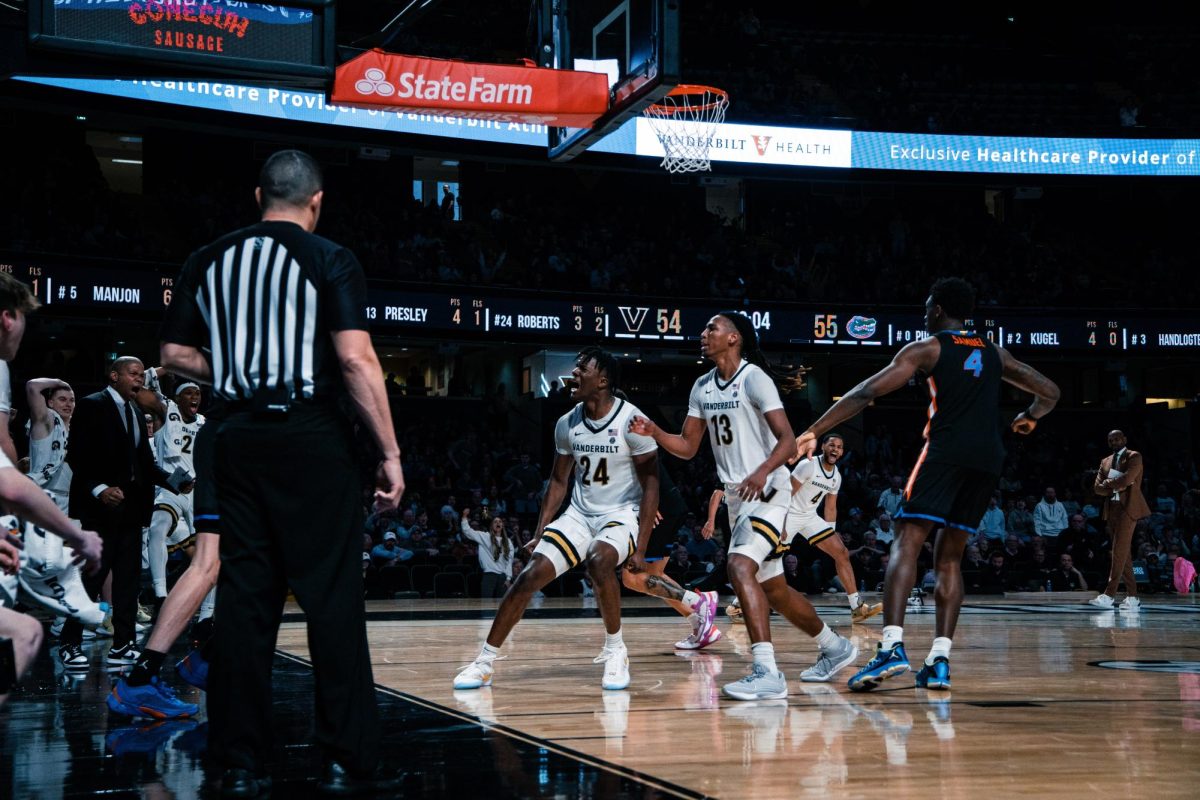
x=575, y=319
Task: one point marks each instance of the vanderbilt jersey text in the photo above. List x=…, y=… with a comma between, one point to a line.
x=605, y=475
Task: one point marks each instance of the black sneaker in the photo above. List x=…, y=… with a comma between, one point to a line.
x=338, y=781
x=244, y=783
x=121, y=656
x=73, y=657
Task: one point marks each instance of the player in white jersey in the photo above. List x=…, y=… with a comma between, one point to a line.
x=815, y=484
x=611, y=514
x=172, y=526
x=738, y=403
x=51, y=405
x=20, y=634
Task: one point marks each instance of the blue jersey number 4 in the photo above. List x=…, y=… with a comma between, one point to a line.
x=974, y=362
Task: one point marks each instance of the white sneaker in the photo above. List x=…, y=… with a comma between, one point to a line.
x=1101, y=601
x=616, y=667
x=475, y=675
x=841, y=655
x=1130, y=604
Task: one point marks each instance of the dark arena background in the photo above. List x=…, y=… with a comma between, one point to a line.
x=1048, y=153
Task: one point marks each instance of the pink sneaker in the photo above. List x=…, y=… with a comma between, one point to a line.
x=707, y=611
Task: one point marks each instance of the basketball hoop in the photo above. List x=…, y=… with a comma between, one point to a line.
x=684, y=122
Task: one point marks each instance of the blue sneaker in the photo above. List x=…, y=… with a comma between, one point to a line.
x=194, y=669
x=155, y=700
x=133, y=740
x=935, y=675
x=885, y=664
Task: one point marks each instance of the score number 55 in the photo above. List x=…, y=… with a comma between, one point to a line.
x=825, y=326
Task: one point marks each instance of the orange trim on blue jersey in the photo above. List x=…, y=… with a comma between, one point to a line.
x=932, y=406
x=912, y=478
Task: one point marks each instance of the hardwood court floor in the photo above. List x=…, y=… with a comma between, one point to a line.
x=1050, y=699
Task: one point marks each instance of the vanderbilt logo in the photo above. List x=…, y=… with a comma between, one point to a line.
x=761, y=143
x=634, y=317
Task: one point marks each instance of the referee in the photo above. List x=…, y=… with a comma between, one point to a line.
x=282, y=313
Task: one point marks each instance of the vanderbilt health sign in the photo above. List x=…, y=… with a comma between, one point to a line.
x=746, y=144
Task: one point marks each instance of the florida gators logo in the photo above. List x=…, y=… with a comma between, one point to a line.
x=861, y=327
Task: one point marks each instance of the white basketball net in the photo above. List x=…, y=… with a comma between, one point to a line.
x=684, y=122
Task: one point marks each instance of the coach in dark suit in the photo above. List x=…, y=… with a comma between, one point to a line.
x=112, y=492
x=1119, y=481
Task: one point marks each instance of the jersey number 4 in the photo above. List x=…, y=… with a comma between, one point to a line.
x=722, y=430
x=974, y=363
x=601, y=474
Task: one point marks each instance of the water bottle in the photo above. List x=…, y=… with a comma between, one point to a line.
x=1048, y=588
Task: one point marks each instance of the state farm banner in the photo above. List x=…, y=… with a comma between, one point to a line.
x=495, y=92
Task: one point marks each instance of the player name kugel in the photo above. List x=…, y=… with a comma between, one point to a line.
x=405, y=313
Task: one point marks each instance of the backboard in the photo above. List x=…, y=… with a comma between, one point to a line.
x=635, y=42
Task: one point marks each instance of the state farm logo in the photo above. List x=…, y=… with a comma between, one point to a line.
x=374, y=81
x=761, y=143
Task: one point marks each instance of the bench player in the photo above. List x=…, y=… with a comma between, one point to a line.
x=738, y=403
x=173, y=524
x=955, y=475
x=613, y=506
x=816, y=481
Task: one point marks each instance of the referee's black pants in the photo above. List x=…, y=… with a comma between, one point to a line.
x=290, y=496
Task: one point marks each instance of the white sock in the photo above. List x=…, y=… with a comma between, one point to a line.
x=613, y=640
x=209, y=604
x=854, y=599
x=488, y=653
x=764, y=653
x=892, y=636
x=690, y=599
x=941, y=647
x=826, y=638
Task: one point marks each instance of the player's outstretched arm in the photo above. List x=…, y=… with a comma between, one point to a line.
x=1045, y=391
x=647, y=475
x=684, y=445
x=920, y=355
x=555, y=493
x=710, y=524
x=23, y=497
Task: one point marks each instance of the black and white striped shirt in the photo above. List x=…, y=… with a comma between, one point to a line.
x=264, y=300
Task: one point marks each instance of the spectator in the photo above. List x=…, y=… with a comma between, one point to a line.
x=792, y=573
x=389, y=553
x=699, y=549
x=495, y=550
x=1020, y=521
x=1164, y=503
x=1049, y=516
x=524, y=481
x=992, y=525
x=1067, y=578
x=892, y=498
x=679, y=564
x=995, y=579
x=854, y=525
x=882, y=528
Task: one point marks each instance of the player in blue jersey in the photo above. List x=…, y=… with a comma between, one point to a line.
x=956, y=473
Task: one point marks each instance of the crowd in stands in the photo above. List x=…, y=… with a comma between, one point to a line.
x=1077, y=247
x=1043, y=531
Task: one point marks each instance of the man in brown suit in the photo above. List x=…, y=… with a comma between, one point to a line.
x=1119, y=481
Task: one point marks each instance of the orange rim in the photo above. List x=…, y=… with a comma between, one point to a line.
x=684, y=89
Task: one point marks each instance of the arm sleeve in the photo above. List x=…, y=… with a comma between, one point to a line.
x=346, y=293
x=184, y=323
x=562, y=436
x=694, y=408
x=478, y=537
x=762, y=392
